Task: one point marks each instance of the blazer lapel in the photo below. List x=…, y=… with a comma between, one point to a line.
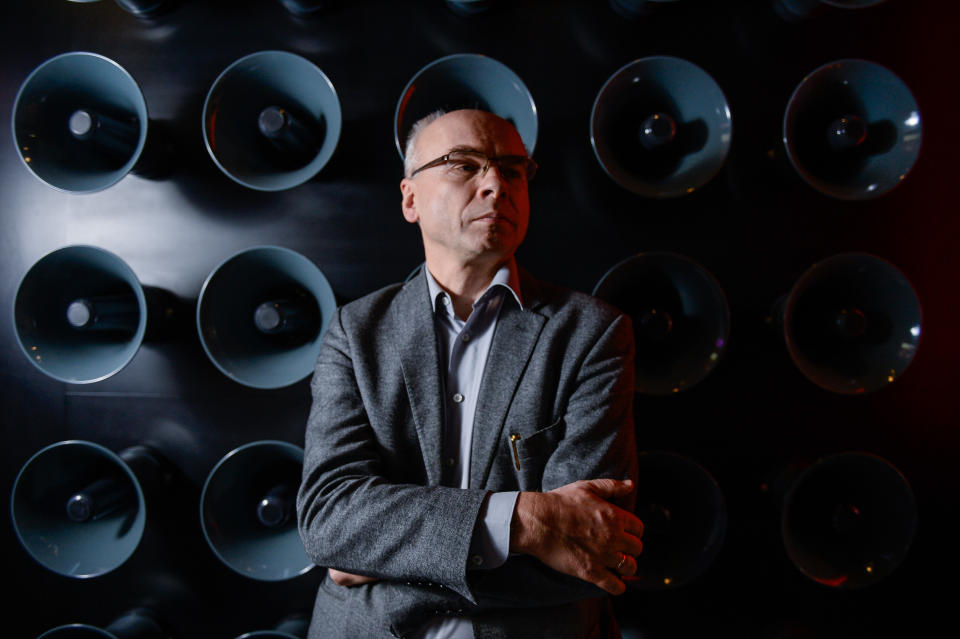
x=514, y=339
x=420, y=363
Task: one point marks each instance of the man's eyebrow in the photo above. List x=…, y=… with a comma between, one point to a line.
x=463, y=147
x=469, y=149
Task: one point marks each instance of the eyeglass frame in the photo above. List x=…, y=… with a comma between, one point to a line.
x=443, y=159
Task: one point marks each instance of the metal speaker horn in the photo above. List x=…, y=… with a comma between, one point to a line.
x=80, y=314
x=261, y=315
x=248, y=511
x=79, y=122
x=271, y=120
x=78, y=508
x=852, y=130
x=685, y=520
x=139, y=623
x=852, y=323
x=466, y=81
x=849, y=520
x=681, y=319
x=661, y=127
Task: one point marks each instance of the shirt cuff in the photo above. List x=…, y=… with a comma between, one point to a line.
x=490, y=545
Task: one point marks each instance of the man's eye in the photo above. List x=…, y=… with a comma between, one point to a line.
x=466, y=168
x=511, y=173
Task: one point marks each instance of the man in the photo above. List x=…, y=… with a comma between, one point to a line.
x=453, y=417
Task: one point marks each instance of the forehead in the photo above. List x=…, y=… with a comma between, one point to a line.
x=473, y=129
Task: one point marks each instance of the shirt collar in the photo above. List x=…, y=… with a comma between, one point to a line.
x=506, y=277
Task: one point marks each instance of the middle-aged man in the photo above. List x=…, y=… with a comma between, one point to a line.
x=453, y=416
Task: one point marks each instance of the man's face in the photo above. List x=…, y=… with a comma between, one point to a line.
x=480, y=220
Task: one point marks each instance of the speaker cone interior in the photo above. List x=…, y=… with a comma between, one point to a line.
x=78, y=509
x=80, y=314
x=684, y=517
x=852, y=323
x=271, y=120
x=661, y=127
x=849, y=520
x=248, y=511
x=79, y=122
x=681, y=319
x=466, y=81
x=261, y=316
x=852, y=129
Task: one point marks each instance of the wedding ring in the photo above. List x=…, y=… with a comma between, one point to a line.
x=623, y=558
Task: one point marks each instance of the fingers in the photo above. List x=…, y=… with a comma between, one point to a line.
x=608, y=581
x=347, y=579
x=608, y=488
x=633, y=525
x=624, y=565
x=631, y=545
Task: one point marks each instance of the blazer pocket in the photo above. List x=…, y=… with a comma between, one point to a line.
x=540, y=444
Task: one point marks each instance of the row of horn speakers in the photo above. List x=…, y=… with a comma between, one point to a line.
x=851, y=323
x=79, y=509
x=660, y=126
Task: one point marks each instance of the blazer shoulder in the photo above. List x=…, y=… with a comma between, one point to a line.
x=558, y=301
x=371, y=305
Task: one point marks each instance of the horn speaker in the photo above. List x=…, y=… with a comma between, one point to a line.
x=271, y=121
x=685, y=520
x=466, y=81
x=661, y=127
x=852, y=323
x=78, y=508
x=848, y=520
x=80, y=122
x=261, y=315
x=852, y=129
x=681, y=319
x=80, y=314
x=248, y=511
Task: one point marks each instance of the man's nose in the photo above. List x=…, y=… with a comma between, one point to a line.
x=492, y=183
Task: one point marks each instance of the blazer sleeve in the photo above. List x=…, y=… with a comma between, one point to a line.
x=351, y=515
x=599, y=441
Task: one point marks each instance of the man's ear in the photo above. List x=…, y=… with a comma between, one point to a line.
x=407, y=204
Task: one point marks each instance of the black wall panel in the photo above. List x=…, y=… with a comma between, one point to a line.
x=756, y=227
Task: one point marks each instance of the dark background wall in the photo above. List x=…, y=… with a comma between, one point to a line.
x=756, y=227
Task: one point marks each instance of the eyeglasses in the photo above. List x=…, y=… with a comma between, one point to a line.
x=465, y=165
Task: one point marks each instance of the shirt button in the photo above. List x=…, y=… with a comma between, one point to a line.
x=451, y=462
x=465, y=336
x=445, y=300
x=458, y=398
x=476, y=560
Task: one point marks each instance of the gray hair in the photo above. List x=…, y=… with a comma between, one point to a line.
x=410, y=159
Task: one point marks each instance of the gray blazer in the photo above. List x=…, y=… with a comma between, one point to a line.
x=559, y=374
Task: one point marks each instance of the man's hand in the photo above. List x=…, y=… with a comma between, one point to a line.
x=575, y=530
x=348, y=579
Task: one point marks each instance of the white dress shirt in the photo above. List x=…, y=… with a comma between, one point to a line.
x=463, y=347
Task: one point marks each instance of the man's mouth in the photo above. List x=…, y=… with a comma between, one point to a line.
x=493, y=217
